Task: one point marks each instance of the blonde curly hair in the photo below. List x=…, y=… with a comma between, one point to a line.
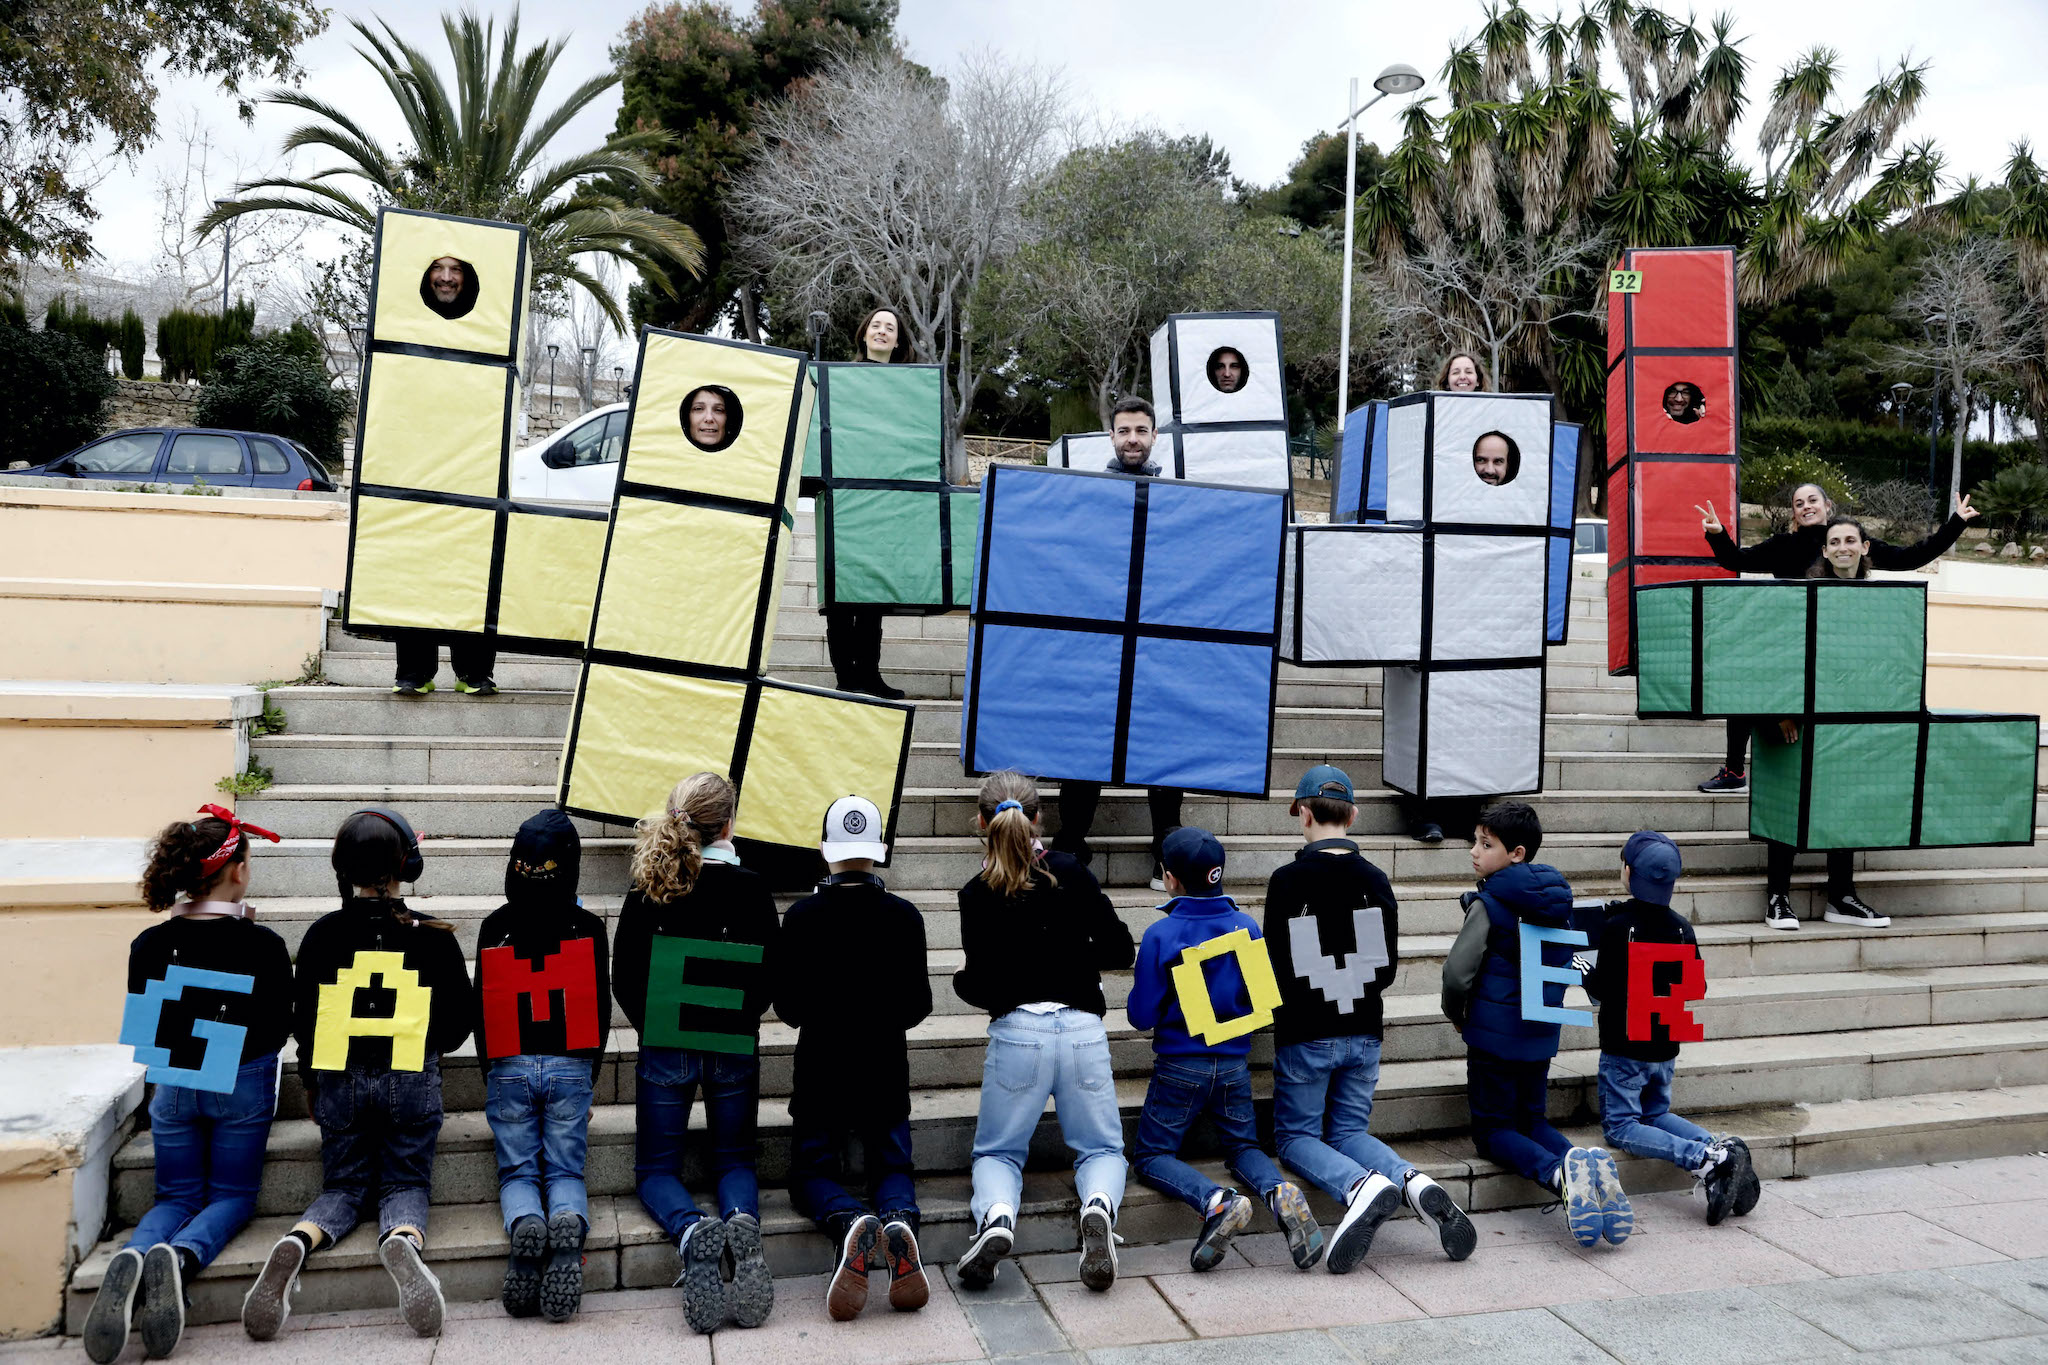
x=668, y=850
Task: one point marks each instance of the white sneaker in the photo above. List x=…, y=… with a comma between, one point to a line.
x=269, y=1301
x=1778, y=913
x=1098, y=1245
x=1849, y=910
x=420, y=1301
x=1435, y=1207
x=1371, y=1204
x=976, y=1268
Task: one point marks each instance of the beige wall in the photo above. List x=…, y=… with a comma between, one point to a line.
x=54, y=779
x=171, y=538
x=142, y=632
x=1987, y=653
x=80, y=954
x=35, y=1206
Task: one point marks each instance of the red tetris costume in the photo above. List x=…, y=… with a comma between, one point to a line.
x=1672, y=343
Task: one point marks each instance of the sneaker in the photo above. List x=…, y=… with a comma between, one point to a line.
x=847, y=1294
x=1158, y=882
x=1578, y=1182
x=269, y=1301
x=113, y=1308
x=751, y=1292
x=1229, y=1214
x=1725, y=1180
x=161, y=1319
x=1849, y=910
x=1098, y=1245
x=1371, y=1204
x=1727, y=780
x=411, y=689
x=1617, y=1215
x=703, y=1277
x=1748, y=1189
x=1426, y=832
x=521, y=1291
x=909, y=1290
x=977, y=1268
x=420, y=1301
x=486, y=688
x=561, y=1281
x=1433, y=1204
x=1778, y=912
x=1291, y=1212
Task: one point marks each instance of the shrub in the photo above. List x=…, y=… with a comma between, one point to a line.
x=13, y=312
x=134, y=341
x=1769, y=482
x=2015, y=505
x=271, y=384
x=188, y=343
x=1907, y=509
x=1872, y=454
x=54, y=395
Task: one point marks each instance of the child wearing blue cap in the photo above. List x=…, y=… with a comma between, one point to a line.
x=1636, y=1065
x=1199, y=1065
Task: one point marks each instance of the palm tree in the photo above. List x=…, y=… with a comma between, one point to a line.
x=479, y=154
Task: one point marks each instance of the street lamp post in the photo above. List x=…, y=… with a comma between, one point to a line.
x=618, y=382
x=1934, y=416
x=1398, y=79
x=1901, y=391
x=588, y=374
x=554, y=403
x=227, y=239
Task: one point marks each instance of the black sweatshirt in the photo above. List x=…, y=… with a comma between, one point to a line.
x=431, y=954
x=850, y=977
x=239, y=946
x=1789, y=554
x=1052, y=942
x=728, y=905
x=1633, y=921
x=1326, y=882
x=520, y=940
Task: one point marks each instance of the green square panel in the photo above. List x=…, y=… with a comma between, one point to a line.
x=814, y=438
x=1870, y=647
x=1664, y=649
x=1774, y=786
x=1755, y=641
x=885, y=422
x=885, y=547
x=1979, y=787
x=964, y=511
x=1862, y=784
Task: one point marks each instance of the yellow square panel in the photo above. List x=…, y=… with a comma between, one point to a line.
x=419, y=564
x=638, y=733
x=769, y=386
x=810, y=749
x=682, y=583
x=434, y=424
x=550, y=576
x=485, y=319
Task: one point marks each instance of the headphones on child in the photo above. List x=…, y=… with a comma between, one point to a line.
x=414, y=864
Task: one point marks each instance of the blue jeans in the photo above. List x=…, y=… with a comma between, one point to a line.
x=1183, y=1089
x=818, y=1171
x=377, y=1131
x=1508, y=1100
x=539, y=1110
x=1635, y=1113
x=1032, y=1056
x=209, y=1160
x=1322, y=1102
x=668, y=1079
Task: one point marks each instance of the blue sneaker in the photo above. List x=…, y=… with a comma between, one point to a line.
x=1617, y=1215
x=1579, y=1184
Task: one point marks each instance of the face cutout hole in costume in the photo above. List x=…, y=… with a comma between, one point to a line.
x=1684, y=403
x=1228, y=372
x=449, y=287
x=711, y=416
x=1496, y=459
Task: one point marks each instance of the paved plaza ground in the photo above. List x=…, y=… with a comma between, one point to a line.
x=1921, y=1263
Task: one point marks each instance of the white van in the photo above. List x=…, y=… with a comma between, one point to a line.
x=579, y=463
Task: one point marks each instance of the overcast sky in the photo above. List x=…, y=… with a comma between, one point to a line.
x=1204, y=66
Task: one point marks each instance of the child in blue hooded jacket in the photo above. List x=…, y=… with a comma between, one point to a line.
x=1191, y=1075
x=1507, y=1056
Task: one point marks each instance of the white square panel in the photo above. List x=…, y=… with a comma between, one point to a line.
x=1457, y=493
x=1487, y=598
x=1407, y=452
x=1485, y=732
x=1249, y=459
x=1195, y=398
x=1361, y=594
x=1401, y=727
x=1083, y=450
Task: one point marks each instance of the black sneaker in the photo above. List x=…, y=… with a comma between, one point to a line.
x=420, y=1301
x=113, y=1308
x=486, y=688
x=561, y=1280
x=1426, y=832
x=909, y=1289
x=977, y=1268
x=521, y=1291
x=1291, y=1211
x=847, y=1294
x=703, y=1277
x=751, y=1294
x=1722, y=1179
x=1727, y=780
x=412, y=689
x=269, y=1301
x=1231, y=1215
x=1433, y=1205
x=161, y=1319
x=1849, y=910
x=1371, y=1204
x=1098, y=1245
x=1778, y=913
x=1748, y=1188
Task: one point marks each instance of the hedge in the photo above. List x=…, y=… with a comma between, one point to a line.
x=1872, y=454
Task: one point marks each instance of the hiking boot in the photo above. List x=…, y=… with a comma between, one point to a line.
x=561, y=1280
x=909, y=1290
x=420, y=1301
x=269, y=1301
x=1727, y=780
x=1433, y=1205
x=1578, y=1183
x=1290, y=1210
x=976, y=1269
x=521, y=1291
x=847, y=1294
x=1778, y=912
x=161, y=1319
x=751, y=1292
x=1229, y=1214
x=1849, y=910
x=113, y=1308
x=703, y=1277
x=1098, y=1245
x=1617, y=1215
x=1372, y=1203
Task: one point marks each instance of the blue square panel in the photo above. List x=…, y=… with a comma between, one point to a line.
x=1060, y=543
x=1558, y=599
x=1022, y=710
x=1201, y=716
x=1212, y=557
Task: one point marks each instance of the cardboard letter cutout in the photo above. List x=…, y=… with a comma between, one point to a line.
x=1192, y=988
x=142, y=1014
x=1646, y=1005
x=507, y=978
x=335, y=1022
x=667, y=992
x=1535, y=976
x=1342, y=985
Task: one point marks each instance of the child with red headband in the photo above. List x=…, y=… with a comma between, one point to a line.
x=209, y=1005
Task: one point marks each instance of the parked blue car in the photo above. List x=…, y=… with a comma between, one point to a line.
x=224, y=459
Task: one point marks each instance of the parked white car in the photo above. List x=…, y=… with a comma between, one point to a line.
x=579, y=463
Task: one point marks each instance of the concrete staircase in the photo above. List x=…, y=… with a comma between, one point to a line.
x=1829, y=1049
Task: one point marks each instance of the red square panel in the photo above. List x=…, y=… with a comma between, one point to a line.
x=1618, y=521
x=1687, y=299
x=1617, y=621
x=1709, y=432
x=1668, y=494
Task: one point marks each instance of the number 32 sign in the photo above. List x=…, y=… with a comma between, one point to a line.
x=1624, y=281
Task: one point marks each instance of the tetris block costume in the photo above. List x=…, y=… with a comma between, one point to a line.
x=1091, y=450
x=1451, y=593
x=1873, y=767
x=1125, y=630
x=686, y=607
x=435, y=541
x=892, y=533
x=1677, y=334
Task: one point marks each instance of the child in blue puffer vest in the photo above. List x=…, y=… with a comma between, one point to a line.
x=1507, y=1056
